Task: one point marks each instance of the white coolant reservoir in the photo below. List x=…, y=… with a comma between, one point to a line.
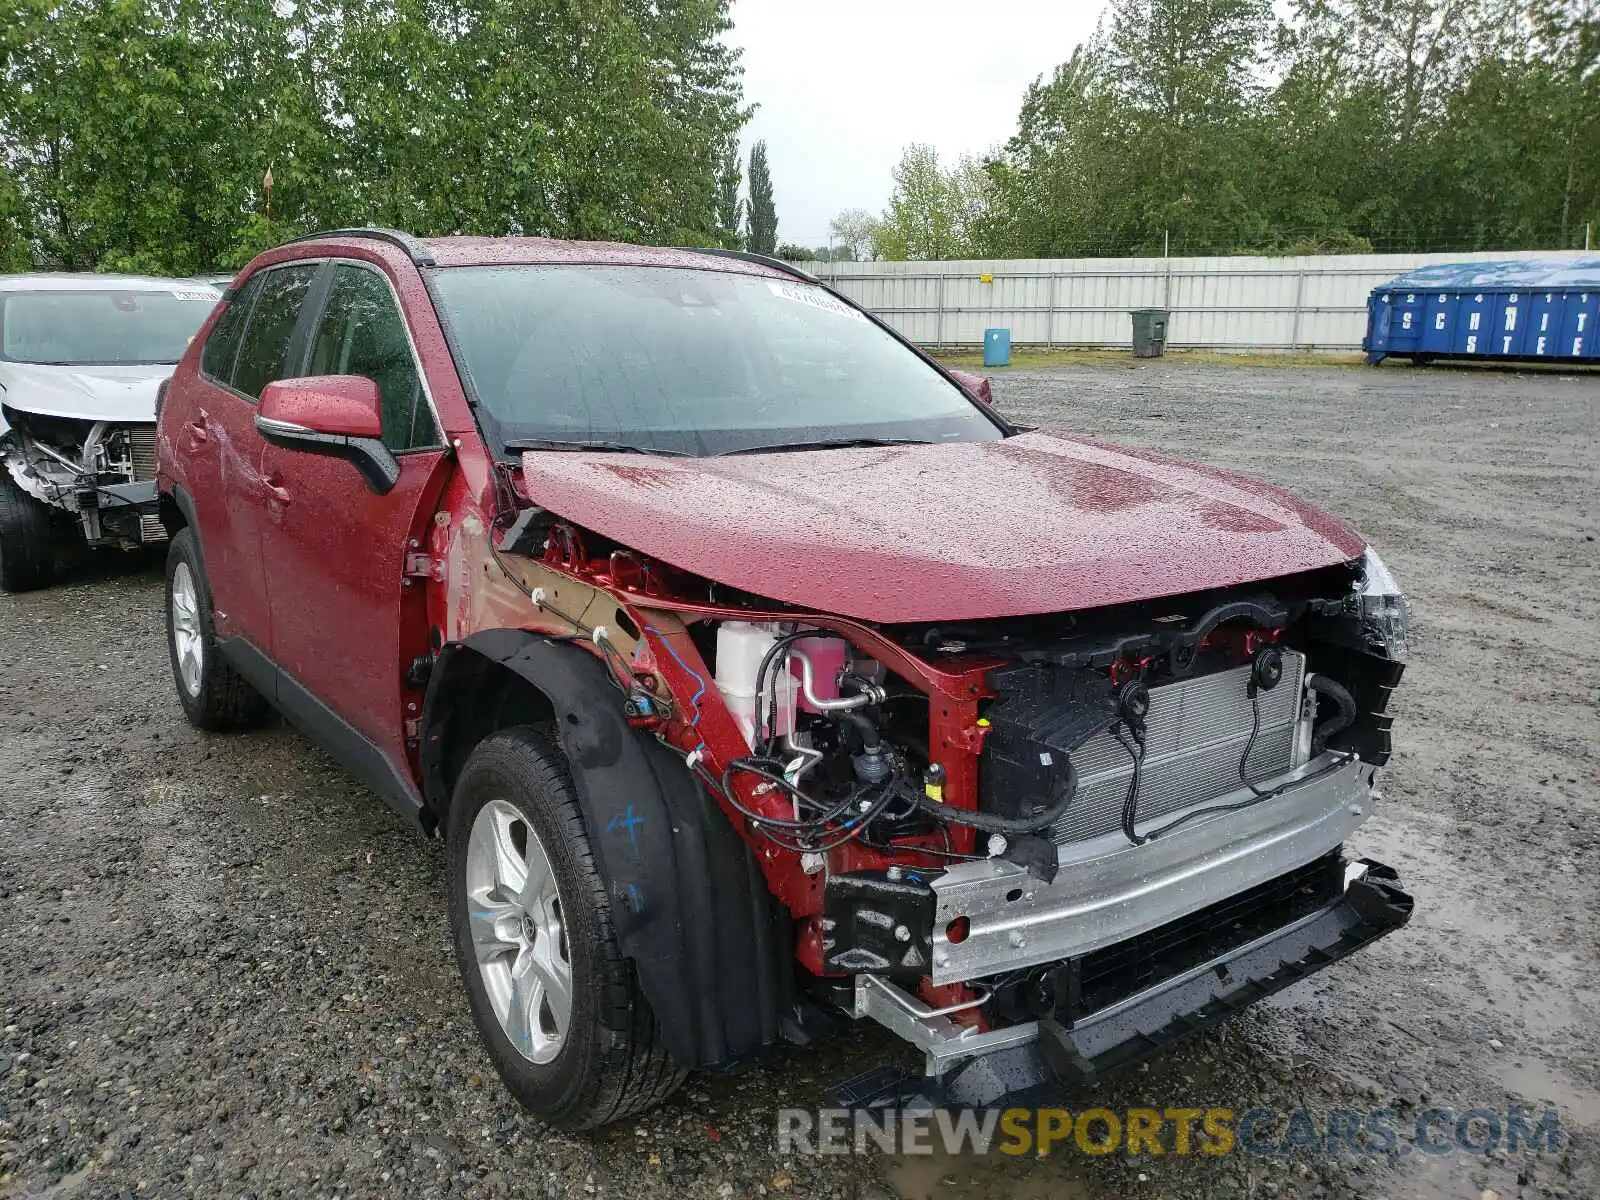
x=740, y=648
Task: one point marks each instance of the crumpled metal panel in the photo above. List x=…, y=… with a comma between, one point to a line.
x=26, y=480
x=1525, y=274
x=118, y=393
x=961, y=531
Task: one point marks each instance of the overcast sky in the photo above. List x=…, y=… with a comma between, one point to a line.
x=844, y=85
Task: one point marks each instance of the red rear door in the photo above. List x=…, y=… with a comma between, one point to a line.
x=212, y=423
x=346, y=624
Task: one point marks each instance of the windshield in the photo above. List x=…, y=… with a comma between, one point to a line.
x=109, y=328
x=687, y=361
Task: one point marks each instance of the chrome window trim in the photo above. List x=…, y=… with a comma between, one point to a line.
x=276, y=426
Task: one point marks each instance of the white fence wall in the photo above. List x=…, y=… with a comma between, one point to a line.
x=1310, y=303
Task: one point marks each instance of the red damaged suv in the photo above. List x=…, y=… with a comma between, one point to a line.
x=755, y=669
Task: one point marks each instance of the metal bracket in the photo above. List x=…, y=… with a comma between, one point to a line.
x=423, y=566
x=944, y=1042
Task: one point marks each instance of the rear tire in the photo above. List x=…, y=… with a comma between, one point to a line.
x=531, y=917
x=31, y=538
x=214, y=696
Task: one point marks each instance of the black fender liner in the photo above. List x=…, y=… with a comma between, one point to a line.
x=712, y=948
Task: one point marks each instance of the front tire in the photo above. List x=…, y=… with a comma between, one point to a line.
x=214, y=696
x=31, y=538
x=556, y=1003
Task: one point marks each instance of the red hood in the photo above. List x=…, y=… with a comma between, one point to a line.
x=963, y=531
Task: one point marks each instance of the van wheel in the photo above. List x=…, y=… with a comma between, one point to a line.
x=556, y=1003
x=214, y=696
x=31, y=537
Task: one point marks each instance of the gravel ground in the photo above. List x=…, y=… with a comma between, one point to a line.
x=225, y=970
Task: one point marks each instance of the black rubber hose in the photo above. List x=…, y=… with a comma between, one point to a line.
x=870, y=737
x=1339, y=722
x=989, y=823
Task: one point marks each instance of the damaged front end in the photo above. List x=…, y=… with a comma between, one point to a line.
x=1107, y=1009
x=1035, y=847
x=102, y=473
x=1188, y=772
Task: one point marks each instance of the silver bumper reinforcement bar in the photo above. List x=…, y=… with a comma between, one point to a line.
x=1107, y=890
x=972, y=1068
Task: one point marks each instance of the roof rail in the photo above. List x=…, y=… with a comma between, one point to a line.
x=419, y=253
x=765, y=260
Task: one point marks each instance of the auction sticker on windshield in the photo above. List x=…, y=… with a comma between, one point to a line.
x=815, y=297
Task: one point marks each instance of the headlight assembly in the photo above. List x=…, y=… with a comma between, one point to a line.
x=1385, y=616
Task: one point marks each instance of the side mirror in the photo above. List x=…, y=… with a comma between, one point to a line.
x=336, y=415
x=344, y=405
x=976, y=385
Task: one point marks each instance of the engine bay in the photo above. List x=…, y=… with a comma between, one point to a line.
x=101, y=472
x=846, y=741
x=864, y=764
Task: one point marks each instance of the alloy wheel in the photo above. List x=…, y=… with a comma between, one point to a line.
x=188, y=646
x=519, y=940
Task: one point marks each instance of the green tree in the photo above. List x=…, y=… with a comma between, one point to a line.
x=600, y=119
x=730, y=208
x=1442, y=124
x=135, y=134
x=13, y=227
x=1185, y=73
x=1057, y=183
x=1140, y=136
x=762, y=211
x=1351, y=125
x=1567, y=43
x=933, y=213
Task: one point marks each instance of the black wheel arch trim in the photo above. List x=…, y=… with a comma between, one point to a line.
x=690, y=908
x=182, y=501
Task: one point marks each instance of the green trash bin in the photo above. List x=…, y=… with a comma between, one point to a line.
x=1149, y=332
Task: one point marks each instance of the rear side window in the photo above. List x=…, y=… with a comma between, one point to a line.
x=363, y=332
x=222, y=347
x=271, y=326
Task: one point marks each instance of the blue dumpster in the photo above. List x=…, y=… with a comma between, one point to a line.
x=996, y=347
x=1578, y=334
x=1471, y=335
x=1518, y=310
x=1439, y=322
x=1542, y=334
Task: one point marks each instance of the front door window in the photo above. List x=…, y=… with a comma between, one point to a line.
x=363, y=333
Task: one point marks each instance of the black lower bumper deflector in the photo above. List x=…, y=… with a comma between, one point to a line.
x=1145, y=1024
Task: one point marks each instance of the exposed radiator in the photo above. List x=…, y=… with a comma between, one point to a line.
x=142, y=450
x=1196, y=730
x=142, y=458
